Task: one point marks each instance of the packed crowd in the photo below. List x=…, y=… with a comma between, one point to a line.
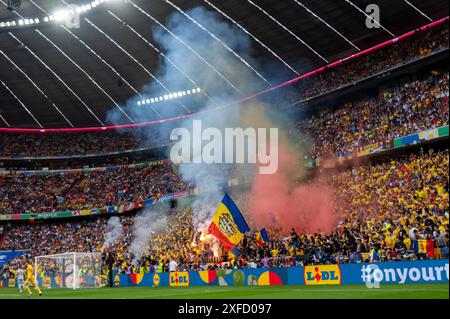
x=81, y=143
x=386, y=208
x=396, y=210
x=77, y=190
x=421, y=45
x=410, y=108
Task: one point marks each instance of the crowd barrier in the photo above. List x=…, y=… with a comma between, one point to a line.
x=401, y=272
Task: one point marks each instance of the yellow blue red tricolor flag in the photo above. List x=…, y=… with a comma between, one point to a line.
x=228, y=225
x=261, y=237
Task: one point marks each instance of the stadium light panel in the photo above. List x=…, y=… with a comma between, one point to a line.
x=60, y=15
x=168, y=96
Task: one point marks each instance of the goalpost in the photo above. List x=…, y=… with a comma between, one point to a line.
x=70, y=270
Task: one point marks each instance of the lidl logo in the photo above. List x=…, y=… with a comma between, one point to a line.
x=322, y=275
x=116, y=280
x=179, y=279
x=11, y=282
x=156, y=280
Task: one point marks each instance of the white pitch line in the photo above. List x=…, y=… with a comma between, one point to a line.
x=370, y=290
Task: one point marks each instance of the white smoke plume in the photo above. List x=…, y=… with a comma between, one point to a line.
x=204, y=176
x=113, y=231
x=146, y=224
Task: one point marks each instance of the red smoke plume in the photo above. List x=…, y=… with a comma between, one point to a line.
x=277, y=201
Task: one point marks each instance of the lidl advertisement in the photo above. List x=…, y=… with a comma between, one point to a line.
x=402, y=272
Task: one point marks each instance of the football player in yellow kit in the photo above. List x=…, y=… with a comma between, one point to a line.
x=31, y=280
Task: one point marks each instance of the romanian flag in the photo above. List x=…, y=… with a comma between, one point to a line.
x=228, y=225
x=262, y=239
x=422, y=246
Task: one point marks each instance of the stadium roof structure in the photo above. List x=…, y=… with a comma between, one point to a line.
x=52, y=76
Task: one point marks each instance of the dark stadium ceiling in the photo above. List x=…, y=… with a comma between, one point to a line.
x=50, y=99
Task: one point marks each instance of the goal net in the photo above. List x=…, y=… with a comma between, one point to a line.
x=70, y=270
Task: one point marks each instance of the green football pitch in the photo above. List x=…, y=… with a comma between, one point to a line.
x=414, y=291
